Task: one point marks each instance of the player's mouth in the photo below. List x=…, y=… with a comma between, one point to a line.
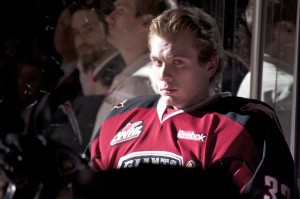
x=167, y=91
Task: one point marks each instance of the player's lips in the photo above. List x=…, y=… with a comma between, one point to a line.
x=167, y=90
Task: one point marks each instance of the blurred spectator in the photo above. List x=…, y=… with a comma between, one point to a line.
x=98, y=60
x=277, y=78
x=96, y=65
x=67, y=86
x=31, y=86
x=237, y=45
x=64, y=45
x=128, y=28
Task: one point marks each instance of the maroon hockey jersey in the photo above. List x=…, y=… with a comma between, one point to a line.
x=241, y=136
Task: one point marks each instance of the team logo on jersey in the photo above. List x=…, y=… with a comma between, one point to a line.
x=136, y=159
x=191, y=164
x=255, y=107
x=131, y=131
x=190, y=135
x=120, y=105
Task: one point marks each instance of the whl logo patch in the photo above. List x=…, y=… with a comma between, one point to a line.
x=131, y=131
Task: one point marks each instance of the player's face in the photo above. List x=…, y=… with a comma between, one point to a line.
x=181, y=79
x=90, y=39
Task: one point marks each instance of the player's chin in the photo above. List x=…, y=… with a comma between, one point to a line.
x=169, y=100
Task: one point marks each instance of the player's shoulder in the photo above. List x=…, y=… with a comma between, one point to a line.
x=144, y=101
x=246, y=106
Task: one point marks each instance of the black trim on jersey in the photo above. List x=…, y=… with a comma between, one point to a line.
x=145, y=101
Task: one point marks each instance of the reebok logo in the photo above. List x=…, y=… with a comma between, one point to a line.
x=190, y=135
x=129, y=132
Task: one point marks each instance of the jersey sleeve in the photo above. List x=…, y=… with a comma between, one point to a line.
x=274, y=176
x=95, y=154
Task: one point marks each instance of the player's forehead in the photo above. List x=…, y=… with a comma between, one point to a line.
x=171, y=45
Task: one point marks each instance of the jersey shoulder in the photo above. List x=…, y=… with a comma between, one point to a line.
x=145, y=101
x=240, y=104
x=261, y=122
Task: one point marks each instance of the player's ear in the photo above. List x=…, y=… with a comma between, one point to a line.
x=212, y=66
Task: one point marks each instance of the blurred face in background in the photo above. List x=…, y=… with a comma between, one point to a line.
x=63, y=36
x=124, y=27
x=283, y=44
x=90, y=38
